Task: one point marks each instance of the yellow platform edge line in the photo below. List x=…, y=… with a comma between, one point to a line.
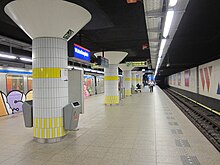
x=204, y=106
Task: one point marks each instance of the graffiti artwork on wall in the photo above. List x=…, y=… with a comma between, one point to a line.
x=187, y=75
x=205, y=74
x=13, y=101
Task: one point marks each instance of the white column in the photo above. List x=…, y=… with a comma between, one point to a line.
x=111, y=84
x=127, y=82
x=50, y=93
x=134, y=79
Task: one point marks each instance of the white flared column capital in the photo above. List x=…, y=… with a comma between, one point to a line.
x=125, y=67
x=47, y=18
x=114, y=57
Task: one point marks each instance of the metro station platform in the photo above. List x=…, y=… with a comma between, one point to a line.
x=145, y=129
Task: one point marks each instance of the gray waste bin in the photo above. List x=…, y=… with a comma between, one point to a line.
x=28, y=113
x=71, y=116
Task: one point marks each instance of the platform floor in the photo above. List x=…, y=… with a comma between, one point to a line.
x=145, y=129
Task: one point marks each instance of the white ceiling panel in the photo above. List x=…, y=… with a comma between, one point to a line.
x=153, y=23
x=150, y=5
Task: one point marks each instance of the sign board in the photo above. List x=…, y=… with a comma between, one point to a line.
x=68, y=34
x=95, y=66
x=136, y=64
x=81, y=53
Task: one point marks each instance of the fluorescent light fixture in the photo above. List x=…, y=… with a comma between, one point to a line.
x=70, y=67
x=160, y=53
x=168, y=21
x=78, y=68
x=7, y=56
x=26, y=59
x=94, y=71
x=87, y=70
x=163, y=43
x=100, y=72
x=172, y=3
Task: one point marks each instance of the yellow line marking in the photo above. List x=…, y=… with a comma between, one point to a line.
x=216, y=112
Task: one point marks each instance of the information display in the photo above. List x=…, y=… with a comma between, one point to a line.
x=81, y=53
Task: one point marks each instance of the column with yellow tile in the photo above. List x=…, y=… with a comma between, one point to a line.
x=127, y=77
x=50, y=92
x=133, y=76
x=49, y=30
x=111, y=78
x=127, y=82
x=111, y=84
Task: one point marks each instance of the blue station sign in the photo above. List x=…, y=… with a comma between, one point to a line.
x=81, y=53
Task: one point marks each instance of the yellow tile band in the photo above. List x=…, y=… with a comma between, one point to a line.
x=127, y=79
x=134, y=79
x=111, y=99
x=48, y=127
x=48, y=122
x=46, y=72
x=111, y=78
x=128, y=92
x=49, y=133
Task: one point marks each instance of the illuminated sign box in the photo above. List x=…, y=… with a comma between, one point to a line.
x=81, y=53
x=136, y=64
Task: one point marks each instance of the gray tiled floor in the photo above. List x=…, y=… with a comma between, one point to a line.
x=137, y=132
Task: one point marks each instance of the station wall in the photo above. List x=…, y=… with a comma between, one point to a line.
x=203, y=80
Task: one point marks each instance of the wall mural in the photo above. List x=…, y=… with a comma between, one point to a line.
x=187, y=75
x=205, y=75
x=12, y=103
x=174, y=79
x=179, y=78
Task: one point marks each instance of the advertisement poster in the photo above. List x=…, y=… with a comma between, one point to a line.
x=187, y=75
x=179, y=79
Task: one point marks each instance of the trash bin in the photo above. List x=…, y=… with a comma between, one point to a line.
x=28, y=113
x=71, y=116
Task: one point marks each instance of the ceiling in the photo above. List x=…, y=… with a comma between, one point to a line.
x=197, y=38
x=117, y=25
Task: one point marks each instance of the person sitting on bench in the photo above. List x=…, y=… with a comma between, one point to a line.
x=138, y=88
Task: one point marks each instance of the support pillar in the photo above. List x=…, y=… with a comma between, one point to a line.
x=50, y=92
x=134, y=79
x=111, y=75
x=39, y=20
x=127, y=82
x=127, y=77
x=111, y=84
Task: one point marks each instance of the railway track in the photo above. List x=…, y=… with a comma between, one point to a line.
x=205, y=120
